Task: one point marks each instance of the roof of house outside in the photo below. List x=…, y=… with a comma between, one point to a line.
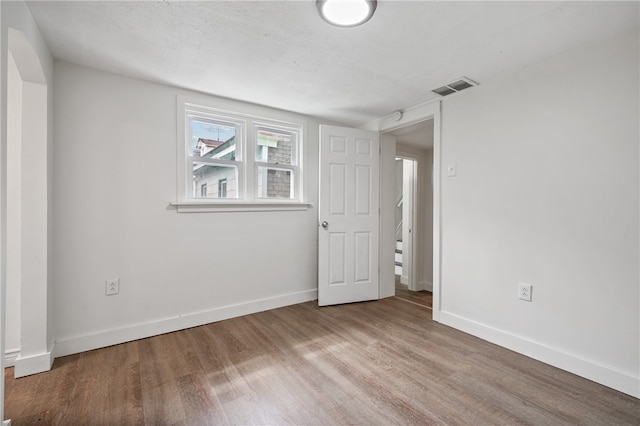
x=212, y=148
x=205, y=146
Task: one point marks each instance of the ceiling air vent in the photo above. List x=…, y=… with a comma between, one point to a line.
x=455, y=86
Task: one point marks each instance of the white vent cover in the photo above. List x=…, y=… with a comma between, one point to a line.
x=455, y=86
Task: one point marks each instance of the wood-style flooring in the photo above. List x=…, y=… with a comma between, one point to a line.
x=422, y=297
x=374, y=363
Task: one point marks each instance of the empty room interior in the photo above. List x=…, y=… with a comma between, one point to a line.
x=320, y=212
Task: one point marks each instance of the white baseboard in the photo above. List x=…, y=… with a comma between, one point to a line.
x=33, y=364
x=10, y=356
x=101, y=339
x=556, y=357
x=426, y=285
x=6, y=422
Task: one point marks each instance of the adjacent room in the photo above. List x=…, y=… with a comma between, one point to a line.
x=270, y=212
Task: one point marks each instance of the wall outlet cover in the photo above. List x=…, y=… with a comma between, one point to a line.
x=524, y=291
x=112, y=287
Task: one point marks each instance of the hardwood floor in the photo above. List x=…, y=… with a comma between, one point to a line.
x=381, y=363
x=424, y=298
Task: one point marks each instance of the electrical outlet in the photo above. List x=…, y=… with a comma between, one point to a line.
x=524, y=291
x=112, y=286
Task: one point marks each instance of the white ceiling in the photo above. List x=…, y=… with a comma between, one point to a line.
x=281, y=54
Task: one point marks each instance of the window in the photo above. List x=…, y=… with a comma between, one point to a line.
x=232, y=158
x=214, y=154
x=275, y=162
x=222, y=188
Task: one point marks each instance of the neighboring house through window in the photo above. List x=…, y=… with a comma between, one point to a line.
x=233, y=156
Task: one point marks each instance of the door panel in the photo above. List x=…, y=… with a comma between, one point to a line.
x=363, y=190
x=363, y=257
x=338, y=184
x=337, y=262
x=349, y=206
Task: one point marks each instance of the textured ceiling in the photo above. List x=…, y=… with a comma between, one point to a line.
x=281, y=54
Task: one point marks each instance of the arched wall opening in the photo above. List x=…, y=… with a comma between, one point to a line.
x=26, y=337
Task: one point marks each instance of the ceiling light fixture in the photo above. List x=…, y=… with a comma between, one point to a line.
x=346, y=13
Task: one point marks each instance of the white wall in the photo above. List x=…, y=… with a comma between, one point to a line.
x=115, y=175
x=3, y=200
x=14, y=222
x=547, y=193
x=35, y=347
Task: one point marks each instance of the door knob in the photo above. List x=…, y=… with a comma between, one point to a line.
x=325, y=224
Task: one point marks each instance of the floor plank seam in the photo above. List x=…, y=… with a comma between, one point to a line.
x=417, y=304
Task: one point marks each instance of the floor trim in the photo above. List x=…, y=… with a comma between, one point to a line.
x=101, y=339
x=10, y=357
x=553, y=356
x=33, y=364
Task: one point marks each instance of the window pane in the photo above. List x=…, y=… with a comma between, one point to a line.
x=275, y=147
x=219, y=181
x=213, y=139
x=275, y=183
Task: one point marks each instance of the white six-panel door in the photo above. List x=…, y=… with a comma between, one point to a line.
x=348, y=215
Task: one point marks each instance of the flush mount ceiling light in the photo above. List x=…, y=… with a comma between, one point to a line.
x=346, y=13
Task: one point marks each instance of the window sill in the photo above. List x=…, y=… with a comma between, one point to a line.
x=206, y=206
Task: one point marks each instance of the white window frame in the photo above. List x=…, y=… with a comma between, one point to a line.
x=293, y=168
x=195, y=114
x=246, y=161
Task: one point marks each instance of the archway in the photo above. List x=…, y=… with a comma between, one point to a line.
x=27, y=209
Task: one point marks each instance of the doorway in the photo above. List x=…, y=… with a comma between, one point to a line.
x=414, y=254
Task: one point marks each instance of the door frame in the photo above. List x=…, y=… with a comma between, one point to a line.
x=412, y=115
